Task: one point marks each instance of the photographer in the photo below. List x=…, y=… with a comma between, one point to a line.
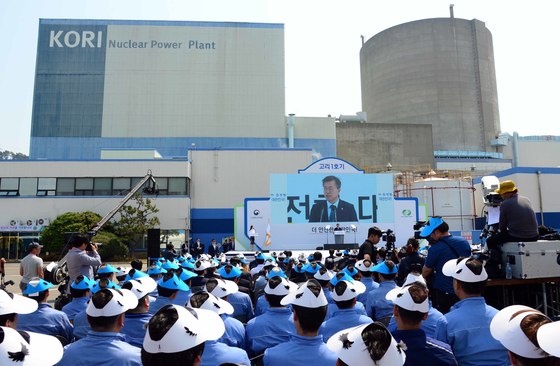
x=81, y=258
x=412, y=259
x=367, y=249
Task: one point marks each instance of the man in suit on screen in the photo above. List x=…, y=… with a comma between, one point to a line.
x=332, y=209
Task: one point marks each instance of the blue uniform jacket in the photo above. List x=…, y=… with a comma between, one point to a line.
x=300, y=351
x=422, y=350
x=101, y=348
x=242, y=306
x=359, y=309
x=342, y=319
x=466, y=328
x=216, y=353
x=46, y=320
x=234, y=335
x=159, y=302
x=134, y=328
x=274, y=327
x=81, y=325
x=370, y=285
x=74, y=307
x=262, y=306
x=439, y=253
x=377, y=306
x=428, y=325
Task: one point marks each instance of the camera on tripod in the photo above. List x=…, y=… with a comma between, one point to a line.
x=417, y=228
x=389, y=238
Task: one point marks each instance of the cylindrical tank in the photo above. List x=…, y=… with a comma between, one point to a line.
x=434, y=71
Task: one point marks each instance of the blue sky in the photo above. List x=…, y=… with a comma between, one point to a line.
x=322, y=44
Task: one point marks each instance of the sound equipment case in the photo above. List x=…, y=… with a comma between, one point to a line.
x=539, y=259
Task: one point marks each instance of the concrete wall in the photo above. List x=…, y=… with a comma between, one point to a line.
x=438, y=72
x=543, y=151
x=376, y=144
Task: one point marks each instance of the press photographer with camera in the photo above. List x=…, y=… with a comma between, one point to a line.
x=81, y=258
x=367, y=249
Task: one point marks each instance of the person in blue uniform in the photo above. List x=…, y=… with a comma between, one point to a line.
x=168, y=286
x=276, y=324
x=466, y=328
x=215, y=351
x=80, y=290
x=104, y=345
x=136, y=319
x=368, y=344
x=366, y=277
x=229, y=291
x=444, y=248
x=81, y=325
x=324, y=276
x=411, y=308
x=344, y=295
x=178, y=336
x=377, y=306
x=45, y=319
x=309, y=306
x=234, y=334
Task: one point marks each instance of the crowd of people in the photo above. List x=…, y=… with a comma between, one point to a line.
x=359, y=307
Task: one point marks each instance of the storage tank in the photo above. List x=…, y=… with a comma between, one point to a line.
x=434, y=71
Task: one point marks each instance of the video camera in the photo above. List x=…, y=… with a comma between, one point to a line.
x=489, y=185
x=389, y=238
x=417, y=228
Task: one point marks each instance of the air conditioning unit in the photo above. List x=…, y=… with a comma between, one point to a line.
x=43, y=222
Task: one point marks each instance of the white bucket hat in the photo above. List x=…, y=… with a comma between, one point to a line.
x=201, y=265
x=401, y=296
x=350, y=348
x=506, y=328
x=13, y=303
x=457, y=268
x=346, y=290
x=306, y=297
x=283, y=288
x=214, y=304
x=141, y=286
x=120, y=301
x=28, y=348
x=193, y=327
x=222, y=288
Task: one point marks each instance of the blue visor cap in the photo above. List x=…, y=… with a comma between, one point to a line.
x=312, y=267
x=187, y=264
x=107, y=269
x=173, y=283
x=35, y=286
x=229, y=271
x=134, y=274
x=186, y=275
x=82, y=283
x=102, y=284
x=155, y=270
x=170, y=265
x=299, y=268
x=383, y=269
x=276, y=272
x=431, y=226
x=341, y=276
x=350, y=273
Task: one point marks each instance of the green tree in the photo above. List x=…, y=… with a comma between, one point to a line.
x=70, y=222
x=8, y=155
x=134, y=220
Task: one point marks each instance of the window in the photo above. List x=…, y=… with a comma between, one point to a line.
x=161, y=184
x=84, y=186
x=9, y=186
x=46, y=187
x=121, y=186
x=102, y=187
x=28, y=186
x=177, y=186
x=65, y=186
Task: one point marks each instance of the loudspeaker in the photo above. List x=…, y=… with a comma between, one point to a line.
x=153, y=244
